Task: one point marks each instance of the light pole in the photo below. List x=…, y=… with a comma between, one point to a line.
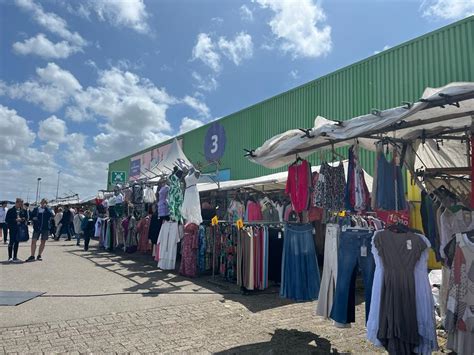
x=37, y=190
x=57, y=187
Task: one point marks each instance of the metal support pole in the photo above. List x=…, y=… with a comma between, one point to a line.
x=57, y=187
x=213, y=228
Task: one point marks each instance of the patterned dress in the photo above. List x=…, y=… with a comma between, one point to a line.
x=175, y=198
x=189, y=250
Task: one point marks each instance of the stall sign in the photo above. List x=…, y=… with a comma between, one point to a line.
x=118, y=177
x=214, y=142
x=394, y=217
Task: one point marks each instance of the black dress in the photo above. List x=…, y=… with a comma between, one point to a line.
x=398, y=325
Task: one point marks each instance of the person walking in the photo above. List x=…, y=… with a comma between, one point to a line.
x=57, y=221
x=15, y=219
x=41, y=217
x=77, y=226
x=3, y=224
x=88, y=228
x=66, y=221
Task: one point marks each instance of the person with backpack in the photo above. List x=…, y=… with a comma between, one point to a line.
x=41, y=217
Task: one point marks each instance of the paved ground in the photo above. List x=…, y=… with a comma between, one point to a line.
x=101, y=302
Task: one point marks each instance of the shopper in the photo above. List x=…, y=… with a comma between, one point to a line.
x=26, y=206
x=15, y=219
x=66, y=223
x=77, y=226
x=88, y=228
x=57, y=222
x=41, y=217
x=3, y=224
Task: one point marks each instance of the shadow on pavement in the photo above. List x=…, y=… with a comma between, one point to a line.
x=286, y=341
x=149, y=281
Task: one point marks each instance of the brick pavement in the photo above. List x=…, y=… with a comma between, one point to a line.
x=110, y=311
x=215, y=326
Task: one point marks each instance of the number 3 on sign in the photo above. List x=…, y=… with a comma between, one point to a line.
x=215, y=141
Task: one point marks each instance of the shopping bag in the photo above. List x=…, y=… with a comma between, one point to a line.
x=23, y=235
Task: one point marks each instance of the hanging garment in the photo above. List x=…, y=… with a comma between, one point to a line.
x=137, y=194
x=148, y=195
x=168, y=241
x=202, y=249
x=163, y=208
x=357, y=197
x=398, y=324
x=298, y=184
x=354, y=253
x=269, y=211
x=254, y=212
x=428, y=217
x=275, y=253
x=328, y=280
x=390, y=185
x=132, y=242
x=300, y=279
x=191, y=208
x=460, y=311
x=189, y=248
x=154, y=229
x=175, y=199
x=143, y=228
x=424, y=303
x=330, y=187
x=235, y=211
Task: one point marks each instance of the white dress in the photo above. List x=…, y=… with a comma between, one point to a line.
x=168, y=241
x=191, y=208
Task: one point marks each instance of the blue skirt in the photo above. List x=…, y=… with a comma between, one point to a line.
x=300, y=278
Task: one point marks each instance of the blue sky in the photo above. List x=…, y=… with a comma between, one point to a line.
x=86, y=82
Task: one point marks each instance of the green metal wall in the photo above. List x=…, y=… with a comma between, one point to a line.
x=381, y=81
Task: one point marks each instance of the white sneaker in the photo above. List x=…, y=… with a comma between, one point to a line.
x=10, y=260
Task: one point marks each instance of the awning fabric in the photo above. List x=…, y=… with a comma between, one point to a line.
x=404, y=122
x=175, y=157
x=270, y=182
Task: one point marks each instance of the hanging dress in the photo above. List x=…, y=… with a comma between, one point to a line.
x=191, y=208
x=175, y=199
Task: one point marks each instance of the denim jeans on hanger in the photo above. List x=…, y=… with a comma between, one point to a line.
x=354, y=253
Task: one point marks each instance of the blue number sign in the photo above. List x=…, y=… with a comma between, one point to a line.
x=214, y=142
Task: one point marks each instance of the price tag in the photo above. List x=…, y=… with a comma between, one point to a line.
x=344, y=228
x=363, y=250
x=279, y=235
x=409, y=244
x=239, y=223
x=215, y=221
x=342, y=214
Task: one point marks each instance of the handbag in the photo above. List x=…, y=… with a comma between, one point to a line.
x=23, y=235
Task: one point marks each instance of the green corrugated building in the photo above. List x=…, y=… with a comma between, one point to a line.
x=381, y=81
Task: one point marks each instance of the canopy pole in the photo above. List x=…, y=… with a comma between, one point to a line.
x=472, y=161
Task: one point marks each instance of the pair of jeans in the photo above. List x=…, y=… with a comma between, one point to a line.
x=13, y=244
x=354, y=253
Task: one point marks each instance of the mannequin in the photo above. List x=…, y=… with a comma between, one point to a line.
x=191, y=208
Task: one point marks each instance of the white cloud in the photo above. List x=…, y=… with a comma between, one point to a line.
x=200, y=107
x=300, y=27
x=15, y=135
x=51, y=90
x=120, y=13
x=238, y=49
x=50, y=147
x=208, y=83
x=294, y=74
x=188, y=124
x=447, y=9
x=51, y=22
x=383, y=49
x=43, y=47
x=205, y=50
x=52, y=129
x=245, y=13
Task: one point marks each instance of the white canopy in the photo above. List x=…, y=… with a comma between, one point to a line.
x=270, y=182
x=174, y=157
x=410, y=122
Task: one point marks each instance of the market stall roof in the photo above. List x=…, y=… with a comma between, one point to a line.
x=446, y=109
x=174, y=157
x=270, y=182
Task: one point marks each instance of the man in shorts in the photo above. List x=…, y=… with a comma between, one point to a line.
x=41, y=217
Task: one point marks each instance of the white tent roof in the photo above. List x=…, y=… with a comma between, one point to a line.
x=407, y=122
x=268, y=182
x=174, y=157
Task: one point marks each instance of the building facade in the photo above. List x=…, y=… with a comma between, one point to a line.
x=381, y=81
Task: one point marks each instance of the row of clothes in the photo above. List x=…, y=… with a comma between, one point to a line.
x=252, y=258
x=399, y=305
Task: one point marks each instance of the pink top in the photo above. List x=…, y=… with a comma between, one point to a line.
x=297, y=185
x=254, y=211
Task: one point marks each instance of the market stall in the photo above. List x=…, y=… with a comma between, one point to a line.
x=431, y=139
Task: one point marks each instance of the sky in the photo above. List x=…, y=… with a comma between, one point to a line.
x=83, y=83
